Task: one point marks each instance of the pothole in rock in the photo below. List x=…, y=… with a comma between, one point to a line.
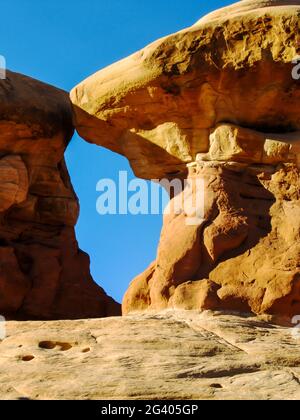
x=27, y=358
x=51, y=345
x=216, y=386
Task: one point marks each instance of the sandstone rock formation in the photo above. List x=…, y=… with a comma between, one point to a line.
x=170, y=355
x=215, y=102
x=43, y=274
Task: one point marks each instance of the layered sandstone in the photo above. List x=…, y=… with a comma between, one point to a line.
x=215, y=102
x=43, y=274
x=171, y=355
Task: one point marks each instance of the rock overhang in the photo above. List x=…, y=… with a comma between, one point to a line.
x=159, y=106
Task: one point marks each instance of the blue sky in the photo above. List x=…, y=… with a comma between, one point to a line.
x=62, y=42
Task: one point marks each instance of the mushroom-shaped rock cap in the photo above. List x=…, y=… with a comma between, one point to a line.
x=159, y=106
x=242, y=7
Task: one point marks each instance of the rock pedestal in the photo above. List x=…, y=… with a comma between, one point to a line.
x=245, y=253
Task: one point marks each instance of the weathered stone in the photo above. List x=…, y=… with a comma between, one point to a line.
x=13, y=181
x=244, y=246
x=217, y=102
x=43, y=274
x=174, y=355
x=158, y=106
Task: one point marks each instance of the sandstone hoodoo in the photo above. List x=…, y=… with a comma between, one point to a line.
x=218, y=101
x=43, y=274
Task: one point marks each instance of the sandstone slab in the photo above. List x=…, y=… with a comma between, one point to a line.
x=168, y=355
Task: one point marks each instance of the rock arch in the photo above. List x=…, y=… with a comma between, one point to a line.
x=220, y=99
x=217, y=101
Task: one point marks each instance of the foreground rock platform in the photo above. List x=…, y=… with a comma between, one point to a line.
x=167, y=355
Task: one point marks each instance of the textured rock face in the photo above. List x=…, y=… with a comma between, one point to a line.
x=157, y=107
x=172, y=355
x=244, y=255
x=43, y=274
x=216, y=102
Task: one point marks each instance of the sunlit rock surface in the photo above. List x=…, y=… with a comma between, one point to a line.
x=171, y=355
x=218, y=101
x=43, y=274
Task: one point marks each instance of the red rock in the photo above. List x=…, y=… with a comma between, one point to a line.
x=43, y=274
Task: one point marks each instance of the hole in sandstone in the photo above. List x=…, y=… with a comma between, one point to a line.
x=64, y=346
x=120, y=246
x=50, y=345
x=86, y=350
x=216, y=386
x=27, y=358
x=47, y=345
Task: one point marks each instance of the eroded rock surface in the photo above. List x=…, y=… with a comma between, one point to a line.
x=170, y=355
x=43, y=274
x=217, y=102
x=157, y=107
x=244, y=254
